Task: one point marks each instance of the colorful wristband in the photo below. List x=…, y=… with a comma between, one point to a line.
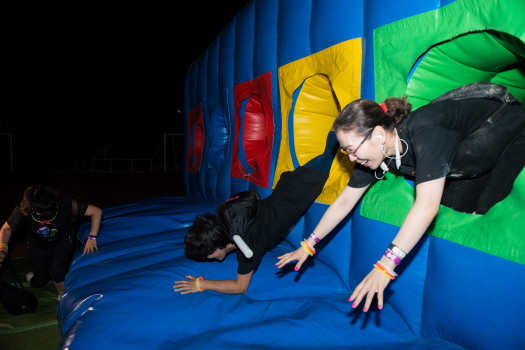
x=391, y=274
x=91, y=238
x=384, y=272
x=307, y=247
x=198, y=285
x=386, y=269
x=314, y=237
x=397, y=251
x=396, y=259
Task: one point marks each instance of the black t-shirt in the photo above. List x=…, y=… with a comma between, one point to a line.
x=258, y=246
x=41, y=232
x=455, y=138
x=294, y=194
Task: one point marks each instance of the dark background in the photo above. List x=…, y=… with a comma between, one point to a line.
x=87, y=74
x=81, y=75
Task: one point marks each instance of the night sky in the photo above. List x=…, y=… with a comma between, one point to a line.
x=86, y=74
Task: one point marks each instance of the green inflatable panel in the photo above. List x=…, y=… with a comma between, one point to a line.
x=427, y=55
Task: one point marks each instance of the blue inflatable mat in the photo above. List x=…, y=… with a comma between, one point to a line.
x=121, y=296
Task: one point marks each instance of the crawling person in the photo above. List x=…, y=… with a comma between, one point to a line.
x=272, y=218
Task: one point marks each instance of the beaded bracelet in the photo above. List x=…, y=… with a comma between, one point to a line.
x=391, y=256
x=198, y=285
x=307, y=247
x=314, y=237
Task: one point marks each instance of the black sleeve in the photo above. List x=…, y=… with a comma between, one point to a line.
x=16, y=219
x=82, y=208
x=434, y=151
x=361, y=177
x=258, y=243
x=245, y=266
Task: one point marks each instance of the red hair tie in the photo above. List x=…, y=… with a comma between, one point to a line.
x=382, y=105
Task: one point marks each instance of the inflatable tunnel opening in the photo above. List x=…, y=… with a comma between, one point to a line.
x=313, y=91
x=462, y=55
x=252, y=137
x=314, y=109
x=219, y=140
x=254, y=129
x=196, y=139
x=477, y=56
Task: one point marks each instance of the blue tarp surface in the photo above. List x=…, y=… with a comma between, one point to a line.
x=121, y=296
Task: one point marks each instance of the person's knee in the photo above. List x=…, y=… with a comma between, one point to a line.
x=58, y=275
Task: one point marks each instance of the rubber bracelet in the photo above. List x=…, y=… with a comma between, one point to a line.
x=306, y=247
x=309, y=246
x=390, y=272
x=307, y=250
x=3, y=249
x=397, y=251
x=396, y=259
x=314, y=237
x=92, y=238
x=198, y=284
x=384, y=271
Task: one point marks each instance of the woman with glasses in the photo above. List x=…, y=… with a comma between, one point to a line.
x=462, y=153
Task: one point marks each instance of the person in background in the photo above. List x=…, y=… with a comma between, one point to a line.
x=48, y=219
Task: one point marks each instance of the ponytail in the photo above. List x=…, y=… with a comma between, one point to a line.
x=397, y=108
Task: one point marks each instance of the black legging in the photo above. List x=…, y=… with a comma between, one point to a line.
x=50, y=261
x=324, y=161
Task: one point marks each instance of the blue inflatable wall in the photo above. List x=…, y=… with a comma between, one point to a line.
x=258, y=102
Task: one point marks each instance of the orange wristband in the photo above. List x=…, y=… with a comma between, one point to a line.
x=198, y=285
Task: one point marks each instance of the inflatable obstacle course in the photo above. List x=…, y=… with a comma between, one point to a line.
x=259, y=101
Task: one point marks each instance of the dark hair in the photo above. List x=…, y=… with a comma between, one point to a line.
x=204, y=237
x=39, y=199
x=364, y=115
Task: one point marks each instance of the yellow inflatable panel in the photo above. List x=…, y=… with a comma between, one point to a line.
x=313, y=90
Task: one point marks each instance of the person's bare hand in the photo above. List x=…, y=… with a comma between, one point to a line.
x=186, y=286
x=91, y=246
x=374, y=283
x=300, y=255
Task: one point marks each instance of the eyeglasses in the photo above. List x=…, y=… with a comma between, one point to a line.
x=353, y=152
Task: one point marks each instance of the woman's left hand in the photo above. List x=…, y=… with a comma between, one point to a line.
x=91, y=246
x=374, y=283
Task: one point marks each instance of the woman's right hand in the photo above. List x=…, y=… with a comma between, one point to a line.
x=300, y=255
